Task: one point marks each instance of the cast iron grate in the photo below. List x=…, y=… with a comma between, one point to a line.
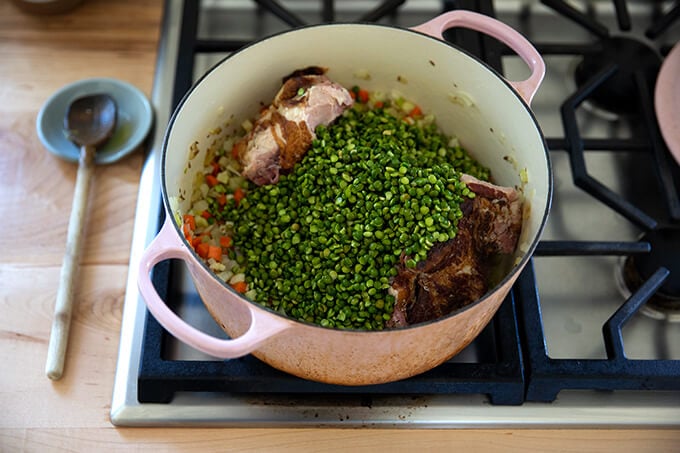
x=546, y=376
x=517, y=366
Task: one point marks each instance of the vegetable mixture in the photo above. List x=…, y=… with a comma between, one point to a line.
x=379, y=186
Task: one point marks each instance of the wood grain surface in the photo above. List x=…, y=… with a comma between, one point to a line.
x=118, y=38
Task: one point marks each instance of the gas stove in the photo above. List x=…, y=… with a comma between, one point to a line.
x=590, y=334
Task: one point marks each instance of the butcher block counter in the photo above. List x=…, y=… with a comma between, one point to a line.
x=119, y=39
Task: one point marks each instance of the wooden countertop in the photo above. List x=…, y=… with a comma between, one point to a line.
x=102, y=38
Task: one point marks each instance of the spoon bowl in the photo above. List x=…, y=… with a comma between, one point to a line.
x=91, y=120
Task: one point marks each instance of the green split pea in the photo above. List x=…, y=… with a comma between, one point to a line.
x=323, y=243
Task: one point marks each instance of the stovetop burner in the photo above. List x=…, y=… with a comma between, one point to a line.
x=626, y=56
x=637, y=269
x=564, y=334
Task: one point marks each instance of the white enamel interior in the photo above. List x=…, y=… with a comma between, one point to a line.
x=468, y=99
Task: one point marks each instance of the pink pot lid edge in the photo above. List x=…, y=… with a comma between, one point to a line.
x=667, y=101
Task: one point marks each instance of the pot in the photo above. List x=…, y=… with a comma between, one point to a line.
x=489, y=115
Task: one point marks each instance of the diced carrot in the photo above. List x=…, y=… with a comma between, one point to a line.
x=187, y=231
x=206, y=215
x=215, y=252
x=241, y=287
x=216, y=168
x=195, y=241
x=238, y=195
x=415, y=112
x=236, y=149
x=222, y=199
x=379, y=104
x=211, y=180
x=225, y=241
x=363, y=96
x=203, y=249
x=190, y=221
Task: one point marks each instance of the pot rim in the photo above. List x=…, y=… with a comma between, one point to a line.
x=516, y=268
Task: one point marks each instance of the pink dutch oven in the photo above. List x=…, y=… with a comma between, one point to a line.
x=489, y=115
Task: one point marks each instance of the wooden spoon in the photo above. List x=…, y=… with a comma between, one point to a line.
x=89, y=122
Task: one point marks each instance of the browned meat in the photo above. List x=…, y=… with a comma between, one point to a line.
x=456, y=273
x=496, y=215
x=284, y=131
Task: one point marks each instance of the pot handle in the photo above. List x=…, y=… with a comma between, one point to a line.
x=504, y=33
x=167, y=245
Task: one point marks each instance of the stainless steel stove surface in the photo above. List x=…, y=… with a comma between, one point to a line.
x=581, y=341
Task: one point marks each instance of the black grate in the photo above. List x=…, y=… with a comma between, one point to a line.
x=546, y=376
x=515, y=365
x=498, y=371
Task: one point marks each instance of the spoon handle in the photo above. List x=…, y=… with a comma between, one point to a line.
x=64, y=304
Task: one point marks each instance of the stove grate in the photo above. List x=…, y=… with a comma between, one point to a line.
x=498, y=370
x=514, y=365
x=548, y=376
